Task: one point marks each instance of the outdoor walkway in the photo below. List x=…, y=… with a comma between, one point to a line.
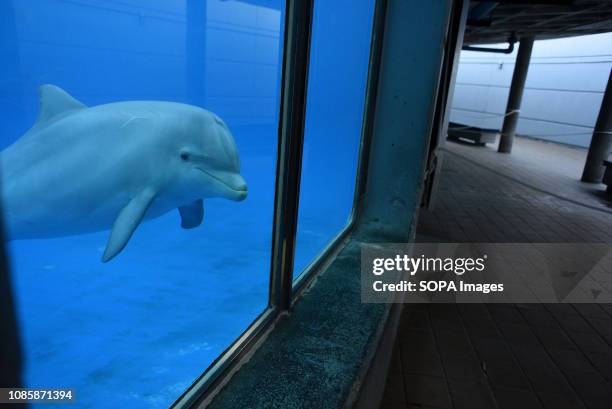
x=508, y=355
x=544, y=166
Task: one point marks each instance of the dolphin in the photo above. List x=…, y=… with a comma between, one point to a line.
x=83, y=169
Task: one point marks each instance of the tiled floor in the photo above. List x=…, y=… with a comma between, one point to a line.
x=545, y=166
x=507, y=355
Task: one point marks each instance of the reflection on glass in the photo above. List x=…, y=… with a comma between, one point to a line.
x=129, y=133
x=340, y=48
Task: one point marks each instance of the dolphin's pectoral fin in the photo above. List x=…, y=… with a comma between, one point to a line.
x=192, y=214
x=55, y=101
x=129, y=218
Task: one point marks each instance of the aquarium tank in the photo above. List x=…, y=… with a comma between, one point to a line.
x=139, y=155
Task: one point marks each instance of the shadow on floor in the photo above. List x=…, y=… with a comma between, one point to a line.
x=547, y=167
x=603, y=196
x=503, y=355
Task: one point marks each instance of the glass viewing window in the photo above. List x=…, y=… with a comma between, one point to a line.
x=151, y=158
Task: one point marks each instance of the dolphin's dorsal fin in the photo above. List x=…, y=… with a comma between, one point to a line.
x=128, y=219
x=54, y=101
x=192, y=214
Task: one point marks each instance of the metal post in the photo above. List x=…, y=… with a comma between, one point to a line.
x=445, y=101
x=516, y=95
x=291, y=140
x=601, y=142
x=378, y=30
x=298, y=22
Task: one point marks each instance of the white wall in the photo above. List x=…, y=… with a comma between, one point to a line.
x=563, y=93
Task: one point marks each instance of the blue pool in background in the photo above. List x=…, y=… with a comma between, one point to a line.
x=137, y=331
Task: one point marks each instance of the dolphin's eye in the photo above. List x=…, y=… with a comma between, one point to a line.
x=184, y=156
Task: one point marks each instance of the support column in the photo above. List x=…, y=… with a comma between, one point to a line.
x=400, y=102
x=601, y=141
x=195, y=53
x=516, y=95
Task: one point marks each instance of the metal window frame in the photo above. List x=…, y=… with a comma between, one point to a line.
x=294, y=84
x=337, y=243
x=291, y=141
x=283, y=289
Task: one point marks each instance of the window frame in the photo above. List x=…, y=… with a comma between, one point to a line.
x=294, y=84
x=338, y=242
x=284, y=291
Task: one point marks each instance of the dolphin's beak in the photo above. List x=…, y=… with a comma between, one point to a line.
x=236, y=187
x=241, y=196
x=240, y=188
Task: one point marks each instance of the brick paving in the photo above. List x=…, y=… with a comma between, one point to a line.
x=514, y=356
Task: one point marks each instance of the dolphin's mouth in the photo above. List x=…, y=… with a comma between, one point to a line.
x=224, y=183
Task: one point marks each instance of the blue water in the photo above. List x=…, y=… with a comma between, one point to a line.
x=137, y=331
x=339, y=57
